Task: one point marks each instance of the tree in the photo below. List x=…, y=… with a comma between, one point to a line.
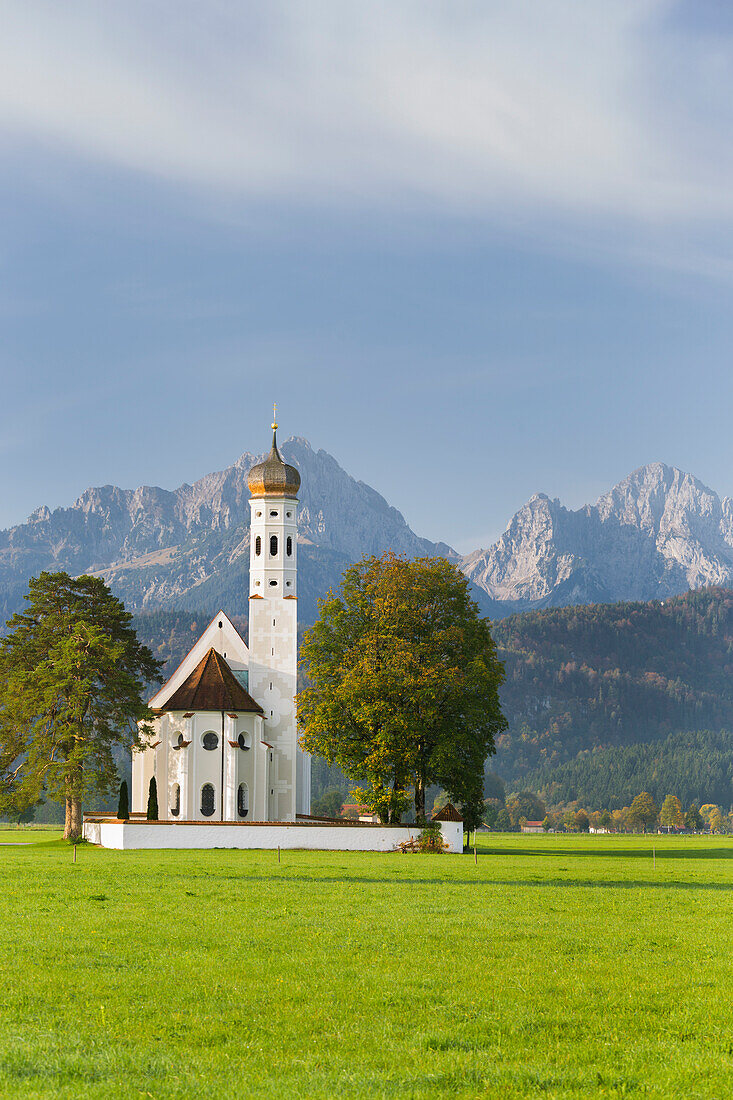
x=693, y=818
x=716, y=820
x=23, y=815
x=605, y=821
x=492, y=809
x=72, y=673
x=671, y=814
x=494, y=787
x=706, y=810
x=403, y=684
x=329, y=804
x=152, y=811
x=527, y=805
x=123, y=805
x=503, y=822
x=582, y=823
x=643, y=812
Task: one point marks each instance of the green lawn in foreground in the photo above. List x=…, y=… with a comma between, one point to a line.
x=560, y=966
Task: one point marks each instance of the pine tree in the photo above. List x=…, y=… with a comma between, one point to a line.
x=152, y=814
x=72, y=676
x=123, y=806
x=693, y=818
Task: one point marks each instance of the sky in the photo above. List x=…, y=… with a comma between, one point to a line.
x=475, y=250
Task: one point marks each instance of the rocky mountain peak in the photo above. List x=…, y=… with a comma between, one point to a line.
x=658, y=532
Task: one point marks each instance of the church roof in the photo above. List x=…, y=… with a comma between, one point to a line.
x=212, y=686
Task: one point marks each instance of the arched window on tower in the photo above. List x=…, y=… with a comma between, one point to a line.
x=273, y=546
x=243, y=800
x=289, y=547
x=207, y=800
x=176, y=800
x=258, y=546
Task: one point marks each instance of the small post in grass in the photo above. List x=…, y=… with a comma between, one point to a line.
x=475, y=856
x=278, y=853
x=654, y=856
x=75, y=853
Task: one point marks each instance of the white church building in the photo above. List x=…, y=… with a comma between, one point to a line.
x=225, y=744
x=224, y=752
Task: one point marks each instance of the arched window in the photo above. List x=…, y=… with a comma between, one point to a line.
x=258, y=546
x=273, y=546
x=243, y=741
x=289, y=546
x=207, y=799
x=243, y=800
x=176, y=800
x=210, y=741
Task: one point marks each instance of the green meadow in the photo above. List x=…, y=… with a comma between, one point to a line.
x=554, y=967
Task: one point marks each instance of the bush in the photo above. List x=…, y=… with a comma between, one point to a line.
x=152, y=813
x=429, y=840
x=123, y=806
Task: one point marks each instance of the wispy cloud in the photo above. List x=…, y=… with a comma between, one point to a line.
x=598, y=106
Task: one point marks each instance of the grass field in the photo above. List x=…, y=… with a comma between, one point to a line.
x=559, y=966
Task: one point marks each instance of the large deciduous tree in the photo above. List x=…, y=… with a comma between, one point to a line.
x=72, y=674
x=643, y=812
x=671, y=815
x=525, y=805
x=403, y=684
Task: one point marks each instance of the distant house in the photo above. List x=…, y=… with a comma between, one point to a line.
x=532, y=827
x=358, y=812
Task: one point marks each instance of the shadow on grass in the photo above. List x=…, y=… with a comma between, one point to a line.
x=615, y=853
x=379, y=880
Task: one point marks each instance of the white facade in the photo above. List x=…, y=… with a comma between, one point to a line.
x=241, y=761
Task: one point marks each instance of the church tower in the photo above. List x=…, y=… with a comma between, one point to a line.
x=273, y=628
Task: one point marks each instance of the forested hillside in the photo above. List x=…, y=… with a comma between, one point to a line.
x=612, y=676
x=602, y=700
x=697, y=767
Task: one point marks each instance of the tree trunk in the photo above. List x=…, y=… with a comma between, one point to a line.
x=420, y=800
x=73, y=825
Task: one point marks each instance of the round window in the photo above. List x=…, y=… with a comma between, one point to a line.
x=243, y=741
x=210, y=741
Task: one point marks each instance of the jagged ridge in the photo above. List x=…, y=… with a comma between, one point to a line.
x=658, y=533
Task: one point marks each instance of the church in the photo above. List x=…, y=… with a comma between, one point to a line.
x=225, y=746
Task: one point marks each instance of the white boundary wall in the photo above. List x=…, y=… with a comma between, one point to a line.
x=342, y=838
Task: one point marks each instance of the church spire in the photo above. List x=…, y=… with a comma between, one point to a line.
x=273, y=477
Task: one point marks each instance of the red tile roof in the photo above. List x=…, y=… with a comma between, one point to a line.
x=211, y=686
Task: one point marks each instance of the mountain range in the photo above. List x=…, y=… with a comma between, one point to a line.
x=658, y=533
x=188, y=548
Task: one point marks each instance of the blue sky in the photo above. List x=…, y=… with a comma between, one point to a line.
x=474, y=250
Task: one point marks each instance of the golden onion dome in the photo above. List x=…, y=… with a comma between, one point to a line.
x=273, y=477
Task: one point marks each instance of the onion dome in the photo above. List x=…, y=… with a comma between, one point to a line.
x=273, y=477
